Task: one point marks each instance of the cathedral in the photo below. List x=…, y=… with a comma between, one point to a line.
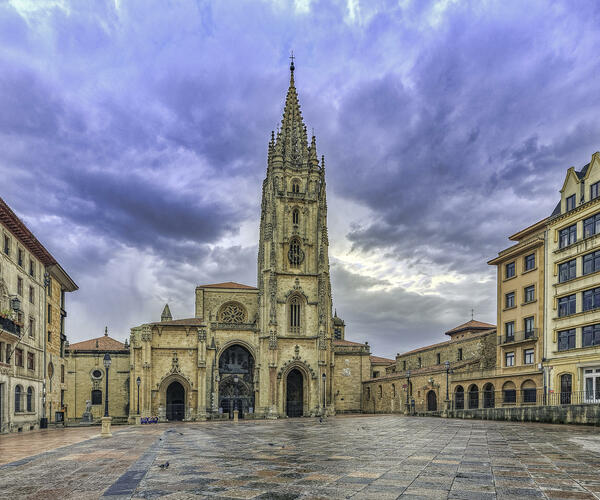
x=269, y=351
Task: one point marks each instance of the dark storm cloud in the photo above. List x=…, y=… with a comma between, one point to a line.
x=133, y=141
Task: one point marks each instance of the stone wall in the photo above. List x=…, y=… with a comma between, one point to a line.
x=566, y=414
x=81, y=381
x=352, y=367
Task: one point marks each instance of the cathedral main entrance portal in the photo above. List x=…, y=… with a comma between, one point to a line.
x=294, y=394
x=236, y=381
x=175, y=401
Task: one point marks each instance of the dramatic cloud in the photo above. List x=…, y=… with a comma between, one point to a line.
x=133, y=140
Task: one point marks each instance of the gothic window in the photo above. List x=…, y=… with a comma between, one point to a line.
x=295, y=186
x=295, y=310
x=232, y=312
x=295, y=255
x=295, y=216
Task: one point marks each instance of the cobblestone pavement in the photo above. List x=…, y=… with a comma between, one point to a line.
x=379, y=457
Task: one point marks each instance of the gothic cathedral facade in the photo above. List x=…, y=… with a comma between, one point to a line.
x=266, y=351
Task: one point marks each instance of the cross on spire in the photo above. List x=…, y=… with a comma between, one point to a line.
x=292, y=57
x=472, y=313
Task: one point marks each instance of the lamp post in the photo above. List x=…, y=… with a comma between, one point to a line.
x=407, y=391
x=324, y=377
x=106, y=419
x=447, y=365
x=138, y=382
x=235, y=408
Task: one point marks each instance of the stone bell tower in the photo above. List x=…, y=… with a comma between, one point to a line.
x=293, y=261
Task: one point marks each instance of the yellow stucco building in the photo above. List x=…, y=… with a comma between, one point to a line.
x=572, y=333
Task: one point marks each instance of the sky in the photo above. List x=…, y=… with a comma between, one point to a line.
x=133, y=143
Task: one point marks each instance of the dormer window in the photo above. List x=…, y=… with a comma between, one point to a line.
x=295, y=216
x=570, y=203
x=594, y=190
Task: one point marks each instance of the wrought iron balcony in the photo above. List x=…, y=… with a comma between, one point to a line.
x=10, y=326
x=518, y=336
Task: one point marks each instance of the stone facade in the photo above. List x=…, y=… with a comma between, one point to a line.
x=86, y=379
x=264, y=351
x=418, y=379
x=24, y=262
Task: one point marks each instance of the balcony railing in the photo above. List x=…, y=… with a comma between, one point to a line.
x=518, y=336
x=10, y=326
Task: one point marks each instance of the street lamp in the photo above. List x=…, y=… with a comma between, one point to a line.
x=138, y=382
x=324, y=376
x=107, y=362
x=407, y=388
x=106, y=419
x=447, y=365
x=235, y=381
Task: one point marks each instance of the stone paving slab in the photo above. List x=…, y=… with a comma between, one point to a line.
x=379, y=457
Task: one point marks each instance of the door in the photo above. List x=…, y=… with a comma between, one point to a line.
x=175, y=401
x=566, y=386
x=431, y=401
x=295, y=394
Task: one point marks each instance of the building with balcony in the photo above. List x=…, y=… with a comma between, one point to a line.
x=24, y=265
x=572, y=333
x=520, y=312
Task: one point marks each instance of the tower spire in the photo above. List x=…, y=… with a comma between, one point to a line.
x=292, y=141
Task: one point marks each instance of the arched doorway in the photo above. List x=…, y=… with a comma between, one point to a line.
x=175, y=401
x=488, y=396
x=236, y=381
x=473, y=396
x=459, y=398
x=431, y=401
x=294, y=398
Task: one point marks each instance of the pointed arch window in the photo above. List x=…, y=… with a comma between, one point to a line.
x=295, y=255
x=295, y=216
x=295, y=186
x=295, y=313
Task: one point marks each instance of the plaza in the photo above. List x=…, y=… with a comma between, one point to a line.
x=376, y=457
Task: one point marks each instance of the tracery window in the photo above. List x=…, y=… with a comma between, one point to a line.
x=295, y=186
x=232, y=313
x=295, y=315
x=295, y=255
x=295, y=216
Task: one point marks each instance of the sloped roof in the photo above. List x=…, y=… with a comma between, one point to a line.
x=104, y=343
x=346, y=342
x=381, y=361
x=229, y=284
x=472, y=325
x=25, y=236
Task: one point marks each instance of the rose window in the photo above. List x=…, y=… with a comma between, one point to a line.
x=232, y=313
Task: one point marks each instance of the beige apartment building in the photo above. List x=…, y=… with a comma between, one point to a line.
x=520, y=313
x=24, y=265
x=58, y=283
x=572, y=342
